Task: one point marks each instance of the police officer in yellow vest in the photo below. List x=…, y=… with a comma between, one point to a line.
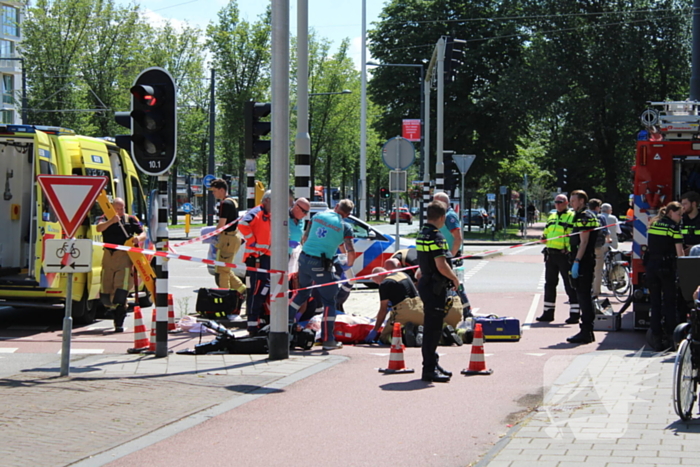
x=556, y=257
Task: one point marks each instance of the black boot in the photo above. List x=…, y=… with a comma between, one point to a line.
x=583, y=337
x=441, y=369
x=547, y=316
x=119, y=316
x=573, y=318
x=435, y=377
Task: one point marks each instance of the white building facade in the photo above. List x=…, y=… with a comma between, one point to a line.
x=11, y=16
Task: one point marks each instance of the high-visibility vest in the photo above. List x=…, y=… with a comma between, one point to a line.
x=558, y=224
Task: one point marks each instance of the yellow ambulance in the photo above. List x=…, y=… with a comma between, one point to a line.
x=27, y=220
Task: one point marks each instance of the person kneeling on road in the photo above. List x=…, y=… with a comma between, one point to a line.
x=396, y=290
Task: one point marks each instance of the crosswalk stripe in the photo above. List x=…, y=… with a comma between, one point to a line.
x=8, y=349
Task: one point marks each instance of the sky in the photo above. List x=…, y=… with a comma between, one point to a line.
x=341, y=20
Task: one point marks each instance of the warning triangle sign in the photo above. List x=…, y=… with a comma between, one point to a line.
x=71, y=197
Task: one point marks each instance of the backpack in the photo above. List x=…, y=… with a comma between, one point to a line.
x=602, y=233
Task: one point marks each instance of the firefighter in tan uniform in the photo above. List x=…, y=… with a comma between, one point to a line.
x=117, y=279
x=229, y=240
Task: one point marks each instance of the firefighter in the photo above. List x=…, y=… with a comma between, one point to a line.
x=665, y=244
x=229, y=241
x=556, y=260
x=403, y=259
x=582, y=243
x=256, y=229
x=690, y=223
x=398, y=292
x=436, y=277
x=116, y=265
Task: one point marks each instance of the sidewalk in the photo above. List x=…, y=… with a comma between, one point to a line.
x=609, y=408
x=128, y=402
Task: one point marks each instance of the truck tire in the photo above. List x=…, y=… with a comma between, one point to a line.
x=84, y=310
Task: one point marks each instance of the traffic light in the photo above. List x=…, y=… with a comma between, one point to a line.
x=384, y=193
x=254, y=129
x=562, y=178
x=152, y=121
x=453, y=55
x=452, y=174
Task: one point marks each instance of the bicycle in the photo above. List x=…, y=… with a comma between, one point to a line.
x=74, y=252
x=687, y=337
x=616, y=274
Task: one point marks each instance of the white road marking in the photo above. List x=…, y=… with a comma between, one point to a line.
x=84, y=351
x=469, y=274
x=531, y=314
x=181, y=286
x=540, y=284
x=8, y=349
x=536, y=354
x=380, y=354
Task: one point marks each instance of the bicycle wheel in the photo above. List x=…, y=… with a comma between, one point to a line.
x=684, y=381
x=621, y=284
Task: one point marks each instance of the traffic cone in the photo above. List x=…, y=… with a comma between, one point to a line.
x=140, y=340
x=152, y=344
x=171, y=314
x=396, y=363
x=477, y=363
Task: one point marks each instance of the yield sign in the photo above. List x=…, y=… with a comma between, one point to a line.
x=71, y=197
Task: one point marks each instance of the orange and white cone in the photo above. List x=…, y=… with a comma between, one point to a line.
x=477, y=362
x=171, y=314
x=396, y=363
x=140, y=338
x=152, y=344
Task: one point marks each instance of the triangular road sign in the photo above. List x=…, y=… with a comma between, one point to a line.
x=71, y=197
x=463, y=162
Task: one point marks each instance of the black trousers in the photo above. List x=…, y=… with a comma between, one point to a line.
x=557, y=264
x=661, y=279
x=584, y=287
x=434, y=311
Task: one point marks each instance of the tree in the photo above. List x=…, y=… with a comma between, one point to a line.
x=241, y=57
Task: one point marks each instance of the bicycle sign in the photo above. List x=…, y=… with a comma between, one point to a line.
x=65, y=255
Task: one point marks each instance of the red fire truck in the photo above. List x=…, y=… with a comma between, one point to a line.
x=667, y=165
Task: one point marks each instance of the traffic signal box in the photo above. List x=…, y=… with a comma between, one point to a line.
x=254, y=129
x=451, y=174
x=152, y=120
x=384, y=192
x=453, y=55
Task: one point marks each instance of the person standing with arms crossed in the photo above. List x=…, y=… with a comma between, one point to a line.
x=582, y=243
x=436, y=277
x=556, y=261
x=229, y=242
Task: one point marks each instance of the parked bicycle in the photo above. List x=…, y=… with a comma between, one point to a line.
x=686, y=336
x=616, y=274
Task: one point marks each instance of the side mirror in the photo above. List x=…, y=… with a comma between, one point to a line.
x=372, y=234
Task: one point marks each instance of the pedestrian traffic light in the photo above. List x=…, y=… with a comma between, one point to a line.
x=453, y=56
x=254, y=129
x=152, y=121
x=384, y=193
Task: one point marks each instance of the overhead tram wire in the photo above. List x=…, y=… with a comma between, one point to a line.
x=507, y=36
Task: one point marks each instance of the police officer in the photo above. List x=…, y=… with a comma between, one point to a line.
x=665, y=243
x=116, y=265
x=256, y=230
x=229, y=242
x=556, y=258
x=690, y=224
x=582, y=255
x=326, y=232
x=436, y=277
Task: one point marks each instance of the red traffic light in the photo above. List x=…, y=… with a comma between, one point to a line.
x=146, y=95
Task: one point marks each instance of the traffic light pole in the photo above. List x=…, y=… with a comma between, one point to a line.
x=161, y=298
x=279, y=169
x=302, y=160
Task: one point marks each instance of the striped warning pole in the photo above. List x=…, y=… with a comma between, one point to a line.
x=162, y=237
